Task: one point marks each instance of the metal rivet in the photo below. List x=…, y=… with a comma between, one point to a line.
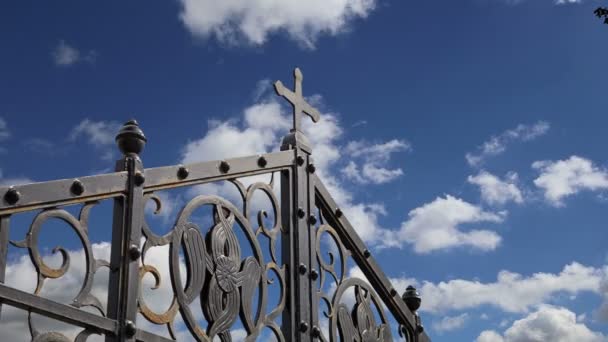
x=316, y=332
x=311, y=168
x=77, y=188
x=224, y=167
x=134, y=252
x=139, y=178
x=419, y=328
x=312, y=219
x=393, y=292
x=262, y=162
x=300, y=160
x=301, y=213
x=12, y=196
x=303, y=326
x=367, y=253
x=182, y=172
x=302, y=268
x=130, y=329
x=338, y=213
x=314, y=274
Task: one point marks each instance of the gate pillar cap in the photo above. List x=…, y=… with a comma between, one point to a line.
x=131, y=139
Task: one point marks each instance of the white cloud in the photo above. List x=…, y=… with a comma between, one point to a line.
x=564, y=2
x=66, y=55
x=13, y=180
x=511, y=292
x=450, y=323
x=498, y=143
x=4, y=132
x=374, y=158
x=100, y=134
x=253, y=21
x=547, y=323
x=496, y=191
x=435, y=225
x=567, y=177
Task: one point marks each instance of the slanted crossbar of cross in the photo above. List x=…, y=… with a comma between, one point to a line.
x=297, y=101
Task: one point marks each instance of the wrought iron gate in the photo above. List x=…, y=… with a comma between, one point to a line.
x=316, y=297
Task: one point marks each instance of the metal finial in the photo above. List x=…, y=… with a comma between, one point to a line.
x=412, y=299
x=131, y=139
x=297, y=101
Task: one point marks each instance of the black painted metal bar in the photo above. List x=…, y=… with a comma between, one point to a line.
x=168, y=177
x=126, y=235
x=146, y=336
x=60, y=192
x=58, y=311
x=372, y=271
x=4, y=239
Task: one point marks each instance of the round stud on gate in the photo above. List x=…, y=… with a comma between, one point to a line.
x=393, y=292
x=131, y=139
x=182, y=173
x=367, y=253
x=302, y=268
x=300, y=160
x=139, y=178
x=316, y=332
x=303, y=326
x=224, y=167
x=262, y=162
x=12, y=196
x=130, y=329
x=314, y=274
x=339, y=213
x=312, y=220
x=134, y=252
x=301, y=213
x=311, y=168
x=77, y=188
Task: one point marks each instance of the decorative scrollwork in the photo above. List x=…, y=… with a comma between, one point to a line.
x=351, y=324
x=215, y=268
x=80, y=227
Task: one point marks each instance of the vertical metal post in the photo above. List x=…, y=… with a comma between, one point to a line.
x=126, y=235
x=296, y=246
x=4, y=237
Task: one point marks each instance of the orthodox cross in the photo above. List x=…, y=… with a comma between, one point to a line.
x=297, y=101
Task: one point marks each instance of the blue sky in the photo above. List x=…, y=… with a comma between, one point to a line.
x=503, y=244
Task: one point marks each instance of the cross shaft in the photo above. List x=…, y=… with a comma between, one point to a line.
x=297, y=101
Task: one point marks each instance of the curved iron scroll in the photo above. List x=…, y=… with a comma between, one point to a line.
x=215, y=269
x=84, y=298
x=354, y=322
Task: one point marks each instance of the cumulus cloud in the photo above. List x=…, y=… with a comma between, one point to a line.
x=496, y=191
x=99, y=134
x=436, y=225
x=511, y=292
x=373, y=159
x=547, y=323
x=4, y=131
x=498, y=144
x=567, y=177
x=450, y=323
x=65, y=55
x=251, y=22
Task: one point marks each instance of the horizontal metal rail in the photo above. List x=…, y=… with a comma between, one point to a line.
x=363, y=258
x=62, y=192
x=58, y=311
